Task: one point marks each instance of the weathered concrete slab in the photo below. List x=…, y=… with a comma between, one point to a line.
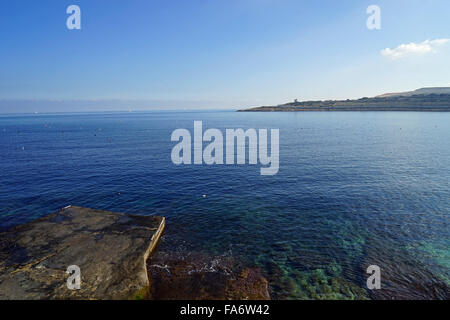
x=111, y=250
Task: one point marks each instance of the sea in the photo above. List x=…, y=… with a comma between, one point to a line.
x=353, y=190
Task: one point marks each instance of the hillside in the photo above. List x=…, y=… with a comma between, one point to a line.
x=425, y=99
x=423, y=91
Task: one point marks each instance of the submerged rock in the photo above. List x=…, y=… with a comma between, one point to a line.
x=201, y=277
x=403, y=275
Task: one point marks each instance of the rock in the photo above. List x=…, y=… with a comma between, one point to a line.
x=111, y=250
x=201, y=277
x=249, y=285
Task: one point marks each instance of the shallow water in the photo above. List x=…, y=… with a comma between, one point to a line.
x=354, y=189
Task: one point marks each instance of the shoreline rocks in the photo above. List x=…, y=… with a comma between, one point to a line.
x=198, y=276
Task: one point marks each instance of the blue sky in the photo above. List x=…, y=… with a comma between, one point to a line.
x=144, y=54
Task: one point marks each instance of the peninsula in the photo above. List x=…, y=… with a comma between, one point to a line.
x=425, y=99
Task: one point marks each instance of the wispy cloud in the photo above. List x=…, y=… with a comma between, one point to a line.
x=411, y=49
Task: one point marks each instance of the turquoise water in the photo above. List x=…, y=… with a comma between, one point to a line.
x=353, y=189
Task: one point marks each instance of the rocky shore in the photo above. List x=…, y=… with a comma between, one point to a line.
x=113, y=252
x=197, y=276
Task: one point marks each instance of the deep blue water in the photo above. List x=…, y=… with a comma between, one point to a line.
x=353, y=189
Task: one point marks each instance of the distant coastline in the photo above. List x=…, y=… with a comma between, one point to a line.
x=425, y=99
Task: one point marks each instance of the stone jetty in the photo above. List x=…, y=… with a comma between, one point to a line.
x=110, y=250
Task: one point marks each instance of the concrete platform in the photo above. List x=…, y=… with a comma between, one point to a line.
x=110, y=249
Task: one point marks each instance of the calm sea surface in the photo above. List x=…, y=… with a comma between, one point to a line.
x=353, y=189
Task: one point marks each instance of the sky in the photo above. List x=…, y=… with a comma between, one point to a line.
x=156, y=54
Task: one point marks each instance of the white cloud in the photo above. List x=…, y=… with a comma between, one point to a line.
x=410, y=49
